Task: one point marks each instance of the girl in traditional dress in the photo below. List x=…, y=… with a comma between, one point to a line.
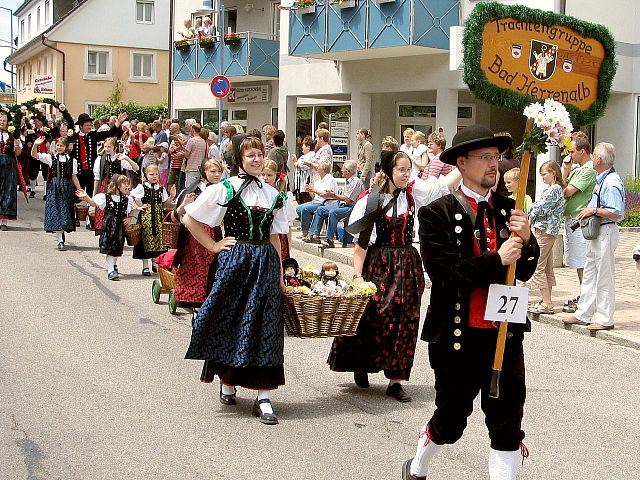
x=116, y=205
x=193, y=260
x=154, y=197
x=59, y=209
x=10, y=148
x=239, y=331
x=105, y=167
x=270, y=175
x=384, y=255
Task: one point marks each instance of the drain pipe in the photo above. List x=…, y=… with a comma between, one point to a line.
x=43, y=40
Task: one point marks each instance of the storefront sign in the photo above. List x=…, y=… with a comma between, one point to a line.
x=339, y=129
x=8, y=98
x=254, y=94
x=43, y=84
x=515, y=55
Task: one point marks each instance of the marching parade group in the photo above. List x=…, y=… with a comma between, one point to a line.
x=236, y=216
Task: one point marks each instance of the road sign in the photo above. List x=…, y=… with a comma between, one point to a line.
x=220, y=86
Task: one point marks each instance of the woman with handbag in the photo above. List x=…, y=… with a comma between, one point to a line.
x=546, y=218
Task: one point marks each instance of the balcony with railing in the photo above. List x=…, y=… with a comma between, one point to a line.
x=360, y=29
x=254, y=56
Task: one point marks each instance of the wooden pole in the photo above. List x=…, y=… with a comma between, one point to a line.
x=494, y=389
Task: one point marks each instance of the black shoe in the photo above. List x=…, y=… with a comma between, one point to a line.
x=44, y=197
x=228, y=399
x=406, y=471
x=61, y=247
x=311, y=239
x=266, y=418
x=361, y=379
x=4, y=228
x=328, y=243
x=396, y=391
x=113, y=275
x=32, y=194
x=146, y=272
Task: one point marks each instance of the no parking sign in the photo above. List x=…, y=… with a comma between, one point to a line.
x=220, y=86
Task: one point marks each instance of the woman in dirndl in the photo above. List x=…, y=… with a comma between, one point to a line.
x=152, y=197
x=59, y=209
x=10, y=148
x=192, y=260
x=110, y=163
x=239, y=331
x=384, y=254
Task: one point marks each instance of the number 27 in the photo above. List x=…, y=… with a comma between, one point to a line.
x=505, y=301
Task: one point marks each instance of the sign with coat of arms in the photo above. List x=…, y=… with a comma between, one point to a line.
x=514, y=55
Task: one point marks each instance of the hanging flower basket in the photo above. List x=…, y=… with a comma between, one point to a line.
x=304, y=7
x=182, y=44
x=232, y=39
x=206, y=41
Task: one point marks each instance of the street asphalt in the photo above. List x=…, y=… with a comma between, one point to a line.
x=94, y=385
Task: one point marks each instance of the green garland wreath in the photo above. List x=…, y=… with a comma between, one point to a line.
x=477, y=81
x=19, y=111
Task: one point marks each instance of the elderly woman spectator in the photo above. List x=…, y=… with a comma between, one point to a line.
x=436, y=143
x=323, y=190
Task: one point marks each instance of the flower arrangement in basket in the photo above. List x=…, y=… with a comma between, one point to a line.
x=551, y=125
x=206, y=41
x=330, y=307
x=182, y=44
x=305, y=3
x=232, y=39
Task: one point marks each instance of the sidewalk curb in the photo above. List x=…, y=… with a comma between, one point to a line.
x=338, y=256
x=608, y=335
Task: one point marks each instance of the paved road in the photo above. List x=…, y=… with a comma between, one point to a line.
x=93, y=385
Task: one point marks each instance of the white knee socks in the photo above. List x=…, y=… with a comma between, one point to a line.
x=503, y=465
x=145, y=263
x=111, y=263
x=60, y=237
x=425, y=452
x=32, y=184
x=227, y=389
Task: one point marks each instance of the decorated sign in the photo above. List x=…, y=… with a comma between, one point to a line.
x=514, y=55
x=43, y=84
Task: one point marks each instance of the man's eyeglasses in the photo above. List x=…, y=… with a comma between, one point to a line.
x=486, y=157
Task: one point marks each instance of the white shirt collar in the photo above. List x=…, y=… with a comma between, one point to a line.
x=155, y=186
x=476, y=196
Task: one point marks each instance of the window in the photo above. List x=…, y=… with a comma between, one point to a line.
x=38, y=20
x=47, y=14
x=275, y=20
x=90, y=107
x=97, y=64
x=143, y=67
x=29, y=26
x=21, y=31
x=144, y=12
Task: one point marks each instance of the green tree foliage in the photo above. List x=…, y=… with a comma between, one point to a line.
x=144, y=113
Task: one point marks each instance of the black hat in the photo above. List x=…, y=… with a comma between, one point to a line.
x=290, y=262
x=470, y=138
x=386, y=162
x=82, y=118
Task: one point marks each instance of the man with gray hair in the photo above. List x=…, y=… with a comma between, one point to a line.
x=333, y=214
x=597, y=293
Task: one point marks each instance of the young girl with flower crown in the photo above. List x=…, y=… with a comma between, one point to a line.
x=154, y=198
x=59, y=210
x=116, y=205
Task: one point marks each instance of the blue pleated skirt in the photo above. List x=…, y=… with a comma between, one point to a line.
x=59, y=211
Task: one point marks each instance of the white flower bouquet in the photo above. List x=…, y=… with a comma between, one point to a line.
x=551, y=126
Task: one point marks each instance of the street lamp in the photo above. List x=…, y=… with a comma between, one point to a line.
x=11, y=44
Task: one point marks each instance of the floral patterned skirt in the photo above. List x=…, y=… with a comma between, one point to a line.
x=388, y=331
x=151, y=244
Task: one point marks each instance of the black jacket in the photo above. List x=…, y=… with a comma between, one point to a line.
x=447, y=247
x=92, y=139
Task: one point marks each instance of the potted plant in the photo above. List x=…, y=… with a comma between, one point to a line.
x=182, y=44
x=305, y=6
x=206, y=41
x=232, y=39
